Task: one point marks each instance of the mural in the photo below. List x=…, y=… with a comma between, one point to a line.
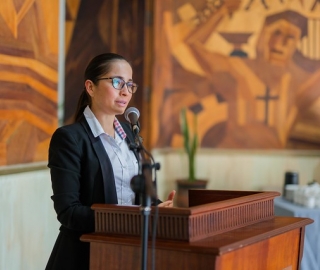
x=28, y=76
x=249, y=70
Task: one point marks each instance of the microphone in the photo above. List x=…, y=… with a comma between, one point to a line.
x=132, y=115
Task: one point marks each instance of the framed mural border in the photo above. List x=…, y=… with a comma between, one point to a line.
x=23, y=168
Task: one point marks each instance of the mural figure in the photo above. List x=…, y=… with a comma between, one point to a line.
x=270, y=101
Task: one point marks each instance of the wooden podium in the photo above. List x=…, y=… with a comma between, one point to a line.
x=219, y=230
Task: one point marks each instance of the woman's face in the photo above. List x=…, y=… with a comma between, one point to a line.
x=106, y=100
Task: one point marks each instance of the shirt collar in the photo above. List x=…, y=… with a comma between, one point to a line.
x=96, y=127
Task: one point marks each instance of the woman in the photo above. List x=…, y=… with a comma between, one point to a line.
x=90, y=161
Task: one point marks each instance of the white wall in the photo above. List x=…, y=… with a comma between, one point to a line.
x=237, y=170
x=28, y=224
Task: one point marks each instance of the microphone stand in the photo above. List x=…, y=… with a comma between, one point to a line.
x=142, y=184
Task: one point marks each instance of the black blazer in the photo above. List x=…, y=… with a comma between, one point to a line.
x=81, y=175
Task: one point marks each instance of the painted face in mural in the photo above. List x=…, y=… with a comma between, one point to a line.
x=283, y=40
x=110, y=96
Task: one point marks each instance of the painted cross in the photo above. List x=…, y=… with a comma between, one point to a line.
x=267, y=98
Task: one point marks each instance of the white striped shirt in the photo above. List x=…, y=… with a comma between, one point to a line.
x=123, y=160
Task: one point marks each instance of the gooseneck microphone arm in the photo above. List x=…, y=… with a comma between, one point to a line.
x=142, y=183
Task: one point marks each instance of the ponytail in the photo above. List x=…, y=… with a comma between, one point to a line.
x=83, y=102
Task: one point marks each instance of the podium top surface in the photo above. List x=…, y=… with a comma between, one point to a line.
x=217, y=244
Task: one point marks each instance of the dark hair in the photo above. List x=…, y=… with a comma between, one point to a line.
x=97, y=67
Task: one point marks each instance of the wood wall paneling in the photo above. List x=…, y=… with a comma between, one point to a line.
x=28, y=76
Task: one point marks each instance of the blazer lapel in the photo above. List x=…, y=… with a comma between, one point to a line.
x=106, y=167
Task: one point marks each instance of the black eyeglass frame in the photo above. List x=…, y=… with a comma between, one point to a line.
x=131, y=88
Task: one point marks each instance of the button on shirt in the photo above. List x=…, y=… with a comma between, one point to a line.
x=123, y=160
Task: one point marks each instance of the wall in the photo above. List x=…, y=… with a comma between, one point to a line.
x=237, y=170
x=118, y=28
x=248, y=70
x=28, y=226
x=29, y=46
x=29, y=50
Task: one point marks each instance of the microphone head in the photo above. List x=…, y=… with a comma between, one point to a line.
x=131, y=110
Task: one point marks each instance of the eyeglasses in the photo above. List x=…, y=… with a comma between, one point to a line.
x=119, y=83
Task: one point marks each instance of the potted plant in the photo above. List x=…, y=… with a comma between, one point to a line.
x=190, y=142
x=190, y=145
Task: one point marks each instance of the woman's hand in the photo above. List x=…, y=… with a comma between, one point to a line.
x=169, y=201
